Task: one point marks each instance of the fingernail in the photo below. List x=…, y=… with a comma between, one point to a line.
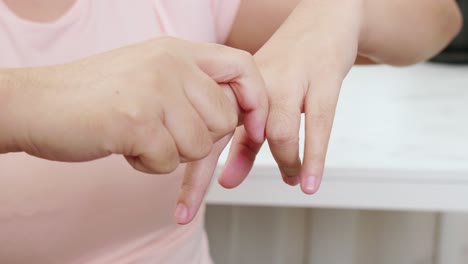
x=308, y=184
x=181, y=213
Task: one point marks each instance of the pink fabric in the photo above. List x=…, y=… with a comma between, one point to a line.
x=101, y=211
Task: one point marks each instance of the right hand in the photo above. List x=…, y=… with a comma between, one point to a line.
x=158, y=103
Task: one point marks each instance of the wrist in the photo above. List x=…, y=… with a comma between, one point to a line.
x=350, y=12
x=16, y=97
x=7, y=118
x=346, y=20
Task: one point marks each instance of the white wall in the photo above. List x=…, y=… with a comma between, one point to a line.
x=268, y=235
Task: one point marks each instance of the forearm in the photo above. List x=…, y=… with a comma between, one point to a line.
x=397, y=32
x=392, y=31
x=402, y=32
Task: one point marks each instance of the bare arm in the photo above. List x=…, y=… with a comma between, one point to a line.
x=393, y=31
x=404, y=32
x=75, y=112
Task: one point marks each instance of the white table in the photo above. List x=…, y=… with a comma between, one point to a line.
x=400, y=141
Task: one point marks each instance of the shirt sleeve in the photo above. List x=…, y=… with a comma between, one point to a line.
x=224, y=14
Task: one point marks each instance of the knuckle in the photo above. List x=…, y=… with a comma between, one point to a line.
x=282, y=135
x=199, y=148
x=171, y=159
x=142, y=163
x=202, y=150
x=168, y=165
x=281, y=129
x=227, y=123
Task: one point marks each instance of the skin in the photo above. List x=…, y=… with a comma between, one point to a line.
x=128, y=102
x=358, y=31
x=304, y=59
x=303, y=49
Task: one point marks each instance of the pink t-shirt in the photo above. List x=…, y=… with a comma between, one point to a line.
x=101, y=211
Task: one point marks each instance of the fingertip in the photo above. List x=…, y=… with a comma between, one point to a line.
x=310, y=184
x=292, y=181
x=226, y=184
x=227, y=179
x=182, y=214
x=237, y=168
x=240, y=160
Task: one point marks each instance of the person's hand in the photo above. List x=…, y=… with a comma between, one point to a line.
x=158, y=103
x=303, y=65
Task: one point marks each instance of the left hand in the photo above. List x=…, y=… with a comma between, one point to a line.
x=303, y=65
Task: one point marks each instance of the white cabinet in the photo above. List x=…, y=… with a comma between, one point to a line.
x=400, y=142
